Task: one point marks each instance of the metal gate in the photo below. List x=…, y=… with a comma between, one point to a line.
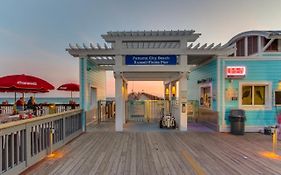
x=145, y=110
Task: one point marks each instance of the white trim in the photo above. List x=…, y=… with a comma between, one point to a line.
x=223, y=95
x=218, y=85
x=256, y=58
x=268, y=95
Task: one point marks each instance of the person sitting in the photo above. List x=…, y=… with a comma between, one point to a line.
x=31, y=104
x=20, y=104
x=5, y=102
x=72, y=104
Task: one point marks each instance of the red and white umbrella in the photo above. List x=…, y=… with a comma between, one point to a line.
x=72, y=87
x=24, y=84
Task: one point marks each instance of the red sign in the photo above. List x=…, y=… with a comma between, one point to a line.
x=235, y=71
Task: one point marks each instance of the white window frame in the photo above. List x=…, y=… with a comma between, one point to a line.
x=268, y=96
x=204, y=85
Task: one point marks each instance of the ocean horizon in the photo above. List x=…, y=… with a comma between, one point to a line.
x=56, y=100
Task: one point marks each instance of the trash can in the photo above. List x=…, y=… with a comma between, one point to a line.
x=237, y=121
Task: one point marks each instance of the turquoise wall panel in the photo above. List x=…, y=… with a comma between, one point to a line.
x=262, y=70
x=203, y=72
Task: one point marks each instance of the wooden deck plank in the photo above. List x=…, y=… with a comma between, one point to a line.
x=109, y=152
x=128, y=155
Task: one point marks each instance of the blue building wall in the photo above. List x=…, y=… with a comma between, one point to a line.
x=206, y=71
x=261, y=70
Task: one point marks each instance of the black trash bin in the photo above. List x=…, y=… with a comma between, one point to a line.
x=237, y=121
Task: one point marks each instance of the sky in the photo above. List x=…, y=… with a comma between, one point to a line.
x=35, y=33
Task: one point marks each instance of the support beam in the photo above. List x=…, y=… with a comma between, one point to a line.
x=119, y=101
x=267, y=45
x=83, y=89
x=183, y=97
x=259, y=44
x=183, y=103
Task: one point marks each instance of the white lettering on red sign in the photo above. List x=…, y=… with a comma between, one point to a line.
x=233, y=71
x=27, y=83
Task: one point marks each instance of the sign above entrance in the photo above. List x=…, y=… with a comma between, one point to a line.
x=235, y=71
x=151, y=60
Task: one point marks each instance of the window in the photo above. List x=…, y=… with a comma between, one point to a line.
x=240, y=45
x=255, y=95
x=252, y=45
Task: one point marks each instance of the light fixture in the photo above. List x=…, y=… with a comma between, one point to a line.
x=279, y=85
x=173, y=90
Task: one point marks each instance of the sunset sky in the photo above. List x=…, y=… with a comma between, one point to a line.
x=35, y=33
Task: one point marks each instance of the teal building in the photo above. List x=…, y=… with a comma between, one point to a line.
x=248, y=79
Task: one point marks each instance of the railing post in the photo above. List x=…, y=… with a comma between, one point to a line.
x=64, y=128
x=13, y=149
x=27, y=145
x=1, y=153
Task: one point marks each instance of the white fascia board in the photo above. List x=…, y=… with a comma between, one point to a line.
x=112, y=52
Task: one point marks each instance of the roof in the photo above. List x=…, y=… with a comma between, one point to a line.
x=269, y=34
x=178, y=42
x=172, y=35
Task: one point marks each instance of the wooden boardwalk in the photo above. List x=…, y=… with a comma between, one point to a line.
x=107, y=152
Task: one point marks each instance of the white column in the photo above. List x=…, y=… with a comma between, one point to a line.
x=183, y=103
x=259, y=44
x=183, y=97
x=83, y=89
x=119, y=101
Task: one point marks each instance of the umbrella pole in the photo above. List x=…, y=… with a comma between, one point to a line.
x=71, y=94
x=15, y=97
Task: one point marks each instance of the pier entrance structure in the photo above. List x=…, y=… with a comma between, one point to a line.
x=167, y=56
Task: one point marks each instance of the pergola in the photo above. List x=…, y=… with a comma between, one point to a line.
x=111, y=56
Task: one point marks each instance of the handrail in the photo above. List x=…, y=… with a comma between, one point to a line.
x=25, y=142
x=21, y=122
x=39, y=109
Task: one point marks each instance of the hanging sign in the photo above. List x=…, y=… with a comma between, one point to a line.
x=151, y=60
x=235, y=71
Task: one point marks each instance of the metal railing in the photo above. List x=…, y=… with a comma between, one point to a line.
x=25, y=142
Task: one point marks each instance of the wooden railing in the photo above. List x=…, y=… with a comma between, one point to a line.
x=41, y=109
x=25, y=142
